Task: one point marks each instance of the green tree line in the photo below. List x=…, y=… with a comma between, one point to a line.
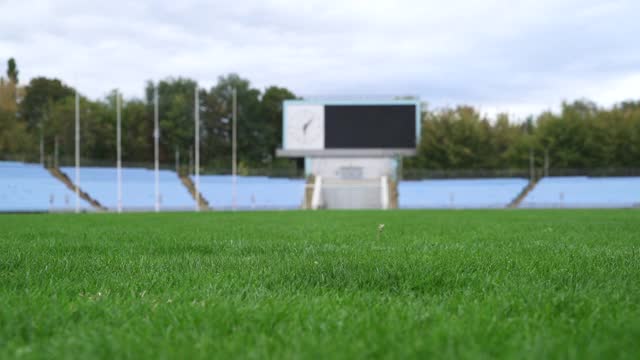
x=44, y=111
x=580, y=136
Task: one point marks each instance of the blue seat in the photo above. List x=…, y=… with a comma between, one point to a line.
x=459, y=193
x=584, y=192
x=138, y=188
x=30, y=187
x=252, y=192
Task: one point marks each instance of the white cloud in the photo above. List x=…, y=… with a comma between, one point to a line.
x=513, y=56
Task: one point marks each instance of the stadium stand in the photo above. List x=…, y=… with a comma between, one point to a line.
x=253, y=192
x=138, y=188
x=459, y=193
x=579, y=191
x=30, y=187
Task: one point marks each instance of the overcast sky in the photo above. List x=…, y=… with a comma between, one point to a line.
x=515, y=56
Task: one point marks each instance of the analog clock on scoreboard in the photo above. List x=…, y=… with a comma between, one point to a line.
x=305, y=127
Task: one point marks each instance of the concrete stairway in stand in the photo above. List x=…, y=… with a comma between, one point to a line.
x=203, y=204
x=55, y=172
x=523, y=194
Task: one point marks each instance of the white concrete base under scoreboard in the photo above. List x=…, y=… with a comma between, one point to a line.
x=354, y=194
x=351, y=183
x=350, y=194
x=351, y=168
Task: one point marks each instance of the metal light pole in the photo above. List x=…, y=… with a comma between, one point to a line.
x=531, y=165
x=177, y=157
x=156, y=139
x=42, y=122
x=190, y=165
x=197, y=147
x=77, y=174
x=546, y=162
x=41, y=146
x=234, y=158
x=56, y=163
x=119, y=148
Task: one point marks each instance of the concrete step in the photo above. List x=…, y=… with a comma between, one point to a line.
x=56, y=173
x=523, y=194
x=203, y=204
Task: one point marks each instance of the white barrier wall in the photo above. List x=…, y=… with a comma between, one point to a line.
x=351, y=194
x=351, y=168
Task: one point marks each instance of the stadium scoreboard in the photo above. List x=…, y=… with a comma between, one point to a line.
x=350, y=128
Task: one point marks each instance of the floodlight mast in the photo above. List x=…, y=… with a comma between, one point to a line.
x=77, y=172
x=197, y=149
x=156, y=138
x=234, y=146
x=55, y=152
x=177, y=160
x=119, y=148
x=42, y=144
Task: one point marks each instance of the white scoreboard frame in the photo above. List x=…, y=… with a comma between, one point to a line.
x=316, y=150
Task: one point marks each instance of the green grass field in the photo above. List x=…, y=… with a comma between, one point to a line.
x=443, y=284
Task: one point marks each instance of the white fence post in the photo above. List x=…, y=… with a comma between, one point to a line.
x=384, y=192
x=317, y=191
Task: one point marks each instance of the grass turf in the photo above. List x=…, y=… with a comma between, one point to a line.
x=447, y=284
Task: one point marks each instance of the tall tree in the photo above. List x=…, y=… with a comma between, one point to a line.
x=217, y=110
x=12, y=70
x=137, y=131
x=41, y=94
x=271, y=109
x=14, y=138
x=176, y=112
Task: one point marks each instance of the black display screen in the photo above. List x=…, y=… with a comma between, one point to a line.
x=370, y=126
